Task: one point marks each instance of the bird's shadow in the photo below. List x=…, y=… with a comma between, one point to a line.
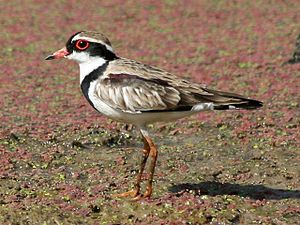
x=257, y=192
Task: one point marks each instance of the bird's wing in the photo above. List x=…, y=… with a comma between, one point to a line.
x=134, y=87
x=131, y=93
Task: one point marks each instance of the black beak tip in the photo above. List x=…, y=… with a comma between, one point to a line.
x=49, y=57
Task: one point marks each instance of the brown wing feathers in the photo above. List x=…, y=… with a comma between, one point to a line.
x=130, y=93
x=132, y=86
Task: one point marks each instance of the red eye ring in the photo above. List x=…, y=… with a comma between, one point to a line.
x=82, y=44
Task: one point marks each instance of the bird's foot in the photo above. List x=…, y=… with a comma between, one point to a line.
x=146, y=195
x=132, y=193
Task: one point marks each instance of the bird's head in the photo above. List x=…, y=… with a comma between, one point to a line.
x=85, y=46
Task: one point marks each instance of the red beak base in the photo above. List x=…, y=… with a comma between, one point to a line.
x=58, y=54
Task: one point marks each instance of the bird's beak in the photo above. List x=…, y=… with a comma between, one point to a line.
x=58, y=54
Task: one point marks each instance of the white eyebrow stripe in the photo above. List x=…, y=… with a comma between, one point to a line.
x=77, y=37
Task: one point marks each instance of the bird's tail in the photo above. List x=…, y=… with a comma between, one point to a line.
x=226, y=100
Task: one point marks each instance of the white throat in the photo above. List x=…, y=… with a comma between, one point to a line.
x=88, y=66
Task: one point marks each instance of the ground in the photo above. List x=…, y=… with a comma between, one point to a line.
x=61, y=160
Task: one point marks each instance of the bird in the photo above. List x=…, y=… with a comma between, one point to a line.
x=132, y=92
x=296, y=54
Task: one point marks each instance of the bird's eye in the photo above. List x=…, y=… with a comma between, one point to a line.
x=82, y=45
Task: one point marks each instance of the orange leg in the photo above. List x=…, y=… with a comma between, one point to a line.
x=135, y=192
x=146, y=152
x=153, y=155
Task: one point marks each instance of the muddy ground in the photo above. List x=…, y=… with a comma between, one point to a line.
x=60, y=161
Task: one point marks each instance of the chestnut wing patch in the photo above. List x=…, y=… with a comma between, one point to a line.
x=133, y=94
